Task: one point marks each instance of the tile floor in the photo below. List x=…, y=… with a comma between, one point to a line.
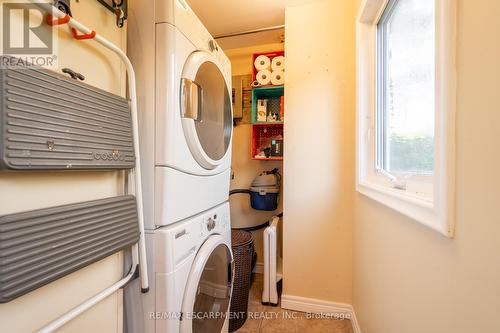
x=274, y=319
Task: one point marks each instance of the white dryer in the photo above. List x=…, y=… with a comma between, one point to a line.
x=185, y=111
x=193, y=275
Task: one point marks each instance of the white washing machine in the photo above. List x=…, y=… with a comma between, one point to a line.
x=193, y=275
x=185, y=111
x=185, y=119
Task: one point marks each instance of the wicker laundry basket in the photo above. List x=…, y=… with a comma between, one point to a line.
x=243, y=252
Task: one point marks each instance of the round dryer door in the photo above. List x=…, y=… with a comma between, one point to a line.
x=206, y=110
x=207, y=297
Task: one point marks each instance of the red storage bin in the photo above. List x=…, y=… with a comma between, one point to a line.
x=263, y=137
x=271, y=55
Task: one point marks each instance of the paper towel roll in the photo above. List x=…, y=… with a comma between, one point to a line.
x=277, y=78
x=264, y=77
x=262, y=62
x=278, y=63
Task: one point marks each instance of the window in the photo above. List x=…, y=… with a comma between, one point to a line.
x=406, y=93
x=405, y=115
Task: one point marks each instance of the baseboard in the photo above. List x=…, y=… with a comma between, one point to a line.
x=355, y=323
x=312, y=305
x=259, y=268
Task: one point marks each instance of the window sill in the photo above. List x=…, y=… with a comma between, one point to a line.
x=419, y=209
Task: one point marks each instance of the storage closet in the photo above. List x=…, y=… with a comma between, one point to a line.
x=255, y=137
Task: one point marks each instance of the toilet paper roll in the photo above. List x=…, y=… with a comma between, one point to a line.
x=278, y=63
x=264, y=77
x=262, y=62
x=277, y=78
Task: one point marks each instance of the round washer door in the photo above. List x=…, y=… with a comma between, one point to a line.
x=206, y=110
x=208, y=290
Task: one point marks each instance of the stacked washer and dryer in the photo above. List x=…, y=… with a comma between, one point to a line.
x=185, y=118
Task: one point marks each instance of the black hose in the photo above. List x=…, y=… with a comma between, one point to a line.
x=257, y=227
x=240, y=190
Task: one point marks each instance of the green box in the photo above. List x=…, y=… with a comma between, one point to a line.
x=273, y=94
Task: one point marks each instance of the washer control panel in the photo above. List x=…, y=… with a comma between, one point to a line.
x=212, y=45
x=216, y=221
x=212, y=222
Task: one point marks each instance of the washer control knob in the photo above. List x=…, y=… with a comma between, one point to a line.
x=211, y=224
x=212, y=45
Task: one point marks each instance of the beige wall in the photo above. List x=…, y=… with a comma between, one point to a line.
x=20, y=192
x=319, y=150
x=410, y=279
x=245, y=169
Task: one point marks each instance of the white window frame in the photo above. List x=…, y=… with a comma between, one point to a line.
x=432, y=206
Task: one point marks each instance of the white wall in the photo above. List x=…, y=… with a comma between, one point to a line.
x=319, y=150
x=410, y=279
x=20, y=192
